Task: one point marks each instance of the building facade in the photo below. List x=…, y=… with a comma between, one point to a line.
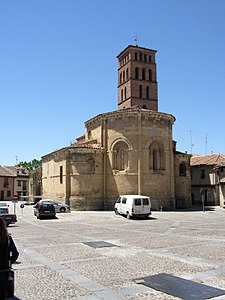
x=208, y=179
x=127, y=151
x=13, y=181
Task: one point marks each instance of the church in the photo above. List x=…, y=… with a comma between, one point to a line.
x=126, y=151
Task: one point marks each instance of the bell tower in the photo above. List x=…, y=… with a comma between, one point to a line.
x=137, y=81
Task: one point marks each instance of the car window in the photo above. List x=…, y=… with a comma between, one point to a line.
x=118, y=200
x=145, y=201
x=124, y=200
x=3, y=210
x=137, y=202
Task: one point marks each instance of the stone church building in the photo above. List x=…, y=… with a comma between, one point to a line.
x=127, y=151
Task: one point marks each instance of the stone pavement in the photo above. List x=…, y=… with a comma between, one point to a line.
x=99, y=255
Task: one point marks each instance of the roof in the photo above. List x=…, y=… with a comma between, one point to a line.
x=208, y=160
x=137, y=47
x=11, y=171
x=133, y=109
x=5, y=172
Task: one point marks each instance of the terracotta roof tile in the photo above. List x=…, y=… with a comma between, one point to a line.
x=4, y=171
x=211, y=159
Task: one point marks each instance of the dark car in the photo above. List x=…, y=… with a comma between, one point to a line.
x=8, y=218
x=44, y=210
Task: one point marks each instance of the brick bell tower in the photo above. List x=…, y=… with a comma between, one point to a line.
x=137, y=81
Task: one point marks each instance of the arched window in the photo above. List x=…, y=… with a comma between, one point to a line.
x=143, y=74
x=140, y=91
x=182, y=169
x=150, y=58
x=136, y=73
x=150, y=74
x=120, y=78
x=123, y=76
x=122, y=95
x=156, y=157
x=120, y=156
x=147, y=92
x=125, y=93
x=127, y=74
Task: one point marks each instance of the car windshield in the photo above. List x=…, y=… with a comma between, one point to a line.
x=3, y=210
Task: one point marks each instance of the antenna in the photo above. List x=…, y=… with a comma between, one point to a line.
x=206, y=143
x=191, y=139
x=136, y=40
x=16, y=159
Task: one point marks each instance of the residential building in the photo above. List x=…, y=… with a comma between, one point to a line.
x=208, y=179
x=18, y=182
x=6, y=184
x=127, y=151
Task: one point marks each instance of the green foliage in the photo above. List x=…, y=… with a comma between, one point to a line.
x=34, y=164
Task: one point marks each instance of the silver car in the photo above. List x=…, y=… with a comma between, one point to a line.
x=59, y=207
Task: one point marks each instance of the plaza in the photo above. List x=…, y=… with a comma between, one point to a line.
x=100, y=255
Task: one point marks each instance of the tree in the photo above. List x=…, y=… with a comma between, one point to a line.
x=34, y=164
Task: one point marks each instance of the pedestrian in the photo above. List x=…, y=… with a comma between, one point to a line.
x=8, y=255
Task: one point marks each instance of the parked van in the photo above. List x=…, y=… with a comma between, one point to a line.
x=133, y=205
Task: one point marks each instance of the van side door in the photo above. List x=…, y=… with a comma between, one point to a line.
x=123, y=205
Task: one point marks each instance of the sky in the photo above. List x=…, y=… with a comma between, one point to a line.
x=58, y=69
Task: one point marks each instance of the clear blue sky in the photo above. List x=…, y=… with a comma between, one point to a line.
x=58, y=68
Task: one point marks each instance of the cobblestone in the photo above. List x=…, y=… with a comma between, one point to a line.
x=57, y=264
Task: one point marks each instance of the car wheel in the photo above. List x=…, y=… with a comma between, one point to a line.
x=62, y=209
x=128, y=215
x=116, y=211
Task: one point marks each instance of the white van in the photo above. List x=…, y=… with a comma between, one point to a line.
x=133, y=205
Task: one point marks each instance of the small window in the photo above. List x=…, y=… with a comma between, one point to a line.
x=150, y=58
x=137, y=202
x=61, y=174
x=19, y=182
x=140, y=56
x=202, y=174
x=125, y=93
x=145, y=201
x=145, y=57
x=6, y=181
x=8, y=193
x=182, y=169
x=135, y=55
x=124, y=200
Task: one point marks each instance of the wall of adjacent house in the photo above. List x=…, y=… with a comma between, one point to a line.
x=204, y=185
x=182, y=180
x=6, y=188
